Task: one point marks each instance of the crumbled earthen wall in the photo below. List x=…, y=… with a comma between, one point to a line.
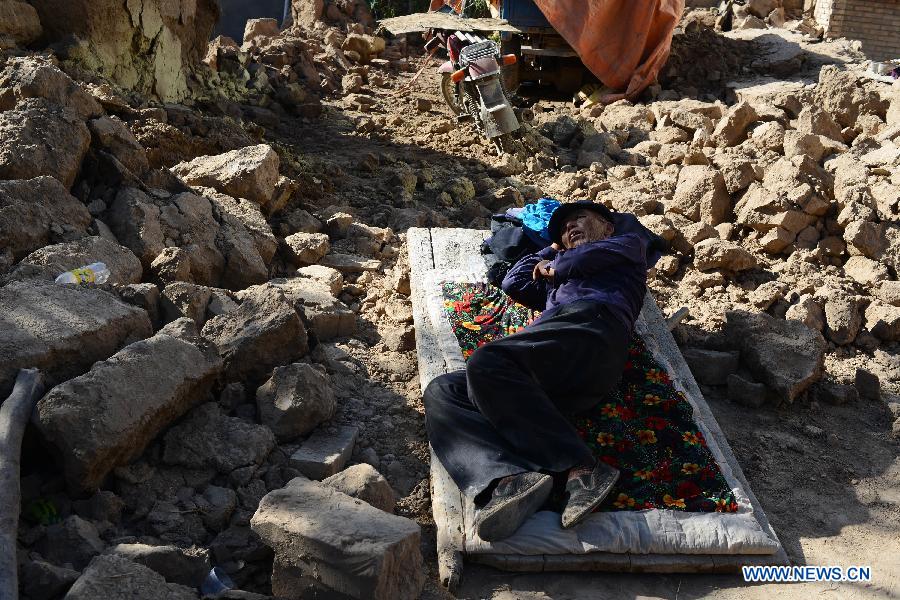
x=874, y=22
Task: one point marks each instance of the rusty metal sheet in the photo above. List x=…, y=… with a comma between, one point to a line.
x=439, y=20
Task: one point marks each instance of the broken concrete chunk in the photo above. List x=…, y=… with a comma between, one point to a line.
x=216, y=506
x=144, y=296
x=888, y=292
x=787, y=356
x=50, y=261
x=306, y=248
x=344, y=544
x=112, y=135
x=326, y=315
x=24, y=153
x=250, y=172
x=721, y=254
x=732, y=127
x=363, y=482
x=836, y=394
x=240, y=213
x=323, y=454
x=883, y=321
x=106, y=417
x=206, y=439
x=73, y=541
x=32, y=212
x=264, y=332
x=181, y=299
x=114, y=577
x=347, y=263
x=701, y=195
x=175, y=564
x=295, y=400
x=76, y=327
x=809, y=312
x=43, y=581
x=843, y=318
x=711, y=367
x=36, y=77
x=331, y=278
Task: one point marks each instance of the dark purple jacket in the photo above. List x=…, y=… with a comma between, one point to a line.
x=612, y=271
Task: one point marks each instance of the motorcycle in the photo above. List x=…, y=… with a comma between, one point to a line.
x=472, y=86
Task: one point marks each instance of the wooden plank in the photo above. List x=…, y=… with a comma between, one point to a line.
x=447, y=507
x=446, y=499
x=421, y=261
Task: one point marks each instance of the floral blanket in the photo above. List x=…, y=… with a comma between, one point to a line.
x=645, y=427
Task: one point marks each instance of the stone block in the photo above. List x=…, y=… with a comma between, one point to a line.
x=787, y=356
x=206, y=440
x=711, y=367
x=324, y=454
x=348, y=263
x=74, y=540
x=106, y=417
x=721, y=254
x=73, y=328
x=344, y=544
x=306, y=248
x=363, y=482
x=250, y=172
x=32, y=212
x=295, y=400
x=264, y=332
x=331, y=278
x=50, y=261
x=23, y=133
x=114, y=577
x=868, y=385
x=175, y=564
x=327, y=316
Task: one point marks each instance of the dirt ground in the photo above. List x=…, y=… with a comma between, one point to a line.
x=827, y=476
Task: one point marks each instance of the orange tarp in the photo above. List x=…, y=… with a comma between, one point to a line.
x=624, y=43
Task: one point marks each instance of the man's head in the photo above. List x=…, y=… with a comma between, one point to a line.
x=580, y=222
x=583, y=226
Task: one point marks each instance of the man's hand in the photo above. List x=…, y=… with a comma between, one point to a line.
x=542, y=269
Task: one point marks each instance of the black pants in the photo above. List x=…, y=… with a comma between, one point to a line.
x=508, y=412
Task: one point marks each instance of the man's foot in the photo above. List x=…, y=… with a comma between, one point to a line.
x=587, y=487
x=515, y=498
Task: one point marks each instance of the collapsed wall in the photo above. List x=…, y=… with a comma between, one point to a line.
x=143, y=45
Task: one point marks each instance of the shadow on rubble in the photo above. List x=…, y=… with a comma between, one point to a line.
x=352, y=165
x=802, y=460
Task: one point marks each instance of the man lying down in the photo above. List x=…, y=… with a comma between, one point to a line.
x=501, y=426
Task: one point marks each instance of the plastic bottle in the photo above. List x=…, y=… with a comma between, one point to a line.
x=93, y=273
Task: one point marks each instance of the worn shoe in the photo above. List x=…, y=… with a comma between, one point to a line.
x=587, y=488
x=516, y=498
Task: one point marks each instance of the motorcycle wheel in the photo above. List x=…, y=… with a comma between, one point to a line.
x=450, y=91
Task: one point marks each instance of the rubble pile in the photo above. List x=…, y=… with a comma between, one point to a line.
x=242, y=392
x=784, y=203
x=329, y=49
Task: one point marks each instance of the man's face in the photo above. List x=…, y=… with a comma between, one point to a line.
x=584, y=226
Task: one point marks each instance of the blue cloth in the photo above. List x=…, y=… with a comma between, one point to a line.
x=536, y=217
x=611, y=271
